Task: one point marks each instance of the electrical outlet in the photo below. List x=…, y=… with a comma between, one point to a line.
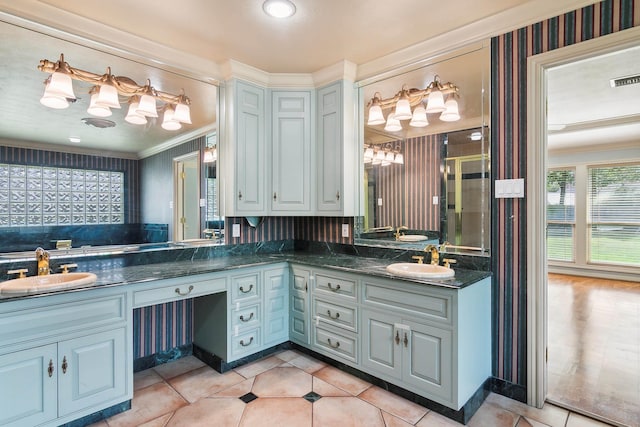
x=235, y=230
x=435, y=200
x=380, y=201
x=203, y=203
x=345, y=230
x=171, y=204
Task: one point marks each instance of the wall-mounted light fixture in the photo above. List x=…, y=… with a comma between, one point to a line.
x=407, y=98
x=383, y=155
x=105, y=95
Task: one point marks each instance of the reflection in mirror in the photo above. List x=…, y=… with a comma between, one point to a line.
x=426, y=180
x=67, y=176
x=214, y=223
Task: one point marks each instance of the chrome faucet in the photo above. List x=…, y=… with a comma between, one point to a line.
x=399, y=229
x=42, y=257
x=435, y=256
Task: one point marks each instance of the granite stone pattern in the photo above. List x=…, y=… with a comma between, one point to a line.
x=121, y=268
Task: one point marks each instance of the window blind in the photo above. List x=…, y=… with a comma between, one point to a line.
x=561, y=214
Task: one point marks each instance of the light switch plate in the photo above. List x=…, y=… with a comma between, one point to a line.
x=435, y=200
x=380, y=201
x=509, y=188
x=345, y=230
x=235, y=230
x=203, y=203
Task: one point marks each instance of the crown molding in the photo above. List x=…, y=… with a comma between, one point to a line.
x=71, y=149
x=343, y=70
x=176, y=141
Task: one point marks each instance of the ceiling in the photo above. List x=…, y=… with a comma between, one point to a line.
x=320, y=34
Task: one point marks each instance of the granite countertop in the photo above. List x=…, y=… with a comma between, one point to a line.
x=124, y=275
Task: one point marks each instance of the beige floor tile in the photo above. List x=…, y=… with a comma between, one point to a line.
x=323, y=388
x=433, y=419
x=178, y=367
x=492, y=415
x=224, y=412
x=258, y=367
x=148, y=404
x=307, y=363
x=237, y=390
x=272, y=412
x=160, y=421
x=391, y=421
x=282, y=382
x=525, y=422
x=346, y=412
x=342, y=380
x=550, y=415
x=288, y=355
x=145, y=378
x=577, y=420
x=394, y=404
x=203, y=382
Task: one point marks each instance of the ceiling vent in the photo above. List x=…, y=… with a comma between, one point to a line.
x=625, y=81
x=98, y=123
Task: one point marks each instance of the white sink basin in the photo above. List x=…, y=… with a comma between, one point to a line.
x=420, y=271
x=50, y=282
x=412, y=238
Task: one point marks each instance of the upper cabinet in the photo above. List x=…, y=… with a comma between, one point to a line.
x=289, y=152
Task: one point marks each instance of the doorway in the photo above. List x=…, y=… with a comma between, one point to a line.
x=537, y=292
x=187, y=197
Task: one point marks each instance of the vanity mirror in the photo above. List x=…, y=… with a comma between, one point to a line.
x=426, y=177
x=69, y=174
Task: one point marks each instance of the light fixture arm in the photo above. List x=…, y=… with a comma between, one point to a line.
x=416, y=96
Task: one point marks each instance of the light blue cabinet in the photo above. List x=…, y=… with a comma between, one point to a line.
x=291, y=169
x=299, y=314
x=276, y=306
x=329, y=150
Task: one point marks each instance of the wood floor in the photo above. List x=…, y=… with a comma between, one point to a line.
x=594, y=346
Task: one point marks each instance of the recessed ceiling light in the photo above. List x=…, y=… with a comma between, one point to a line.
x=74, y=139
x=279, y=8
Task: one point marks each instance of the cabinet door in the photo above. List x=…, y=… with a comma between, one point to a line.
x=276, y=306
x=28, y=394
x=329, y=150
x=299, y=302
x=91, y=370
x=427, y=359
x=250, y=150
x=381, y=344
x=291, y=151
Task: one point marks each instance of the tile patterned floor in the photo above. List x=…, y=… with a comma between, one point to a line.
x=594, y=346
x=291, y=389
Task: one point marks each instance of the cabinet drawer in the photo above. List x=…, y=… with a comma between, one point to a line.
x=342, y=345
x=245, y=343
x=177, y=291
x=435, y=307
x=246, y=317
x=336, y=285
x=29, y=324
x=245, y=287
x=337, y=314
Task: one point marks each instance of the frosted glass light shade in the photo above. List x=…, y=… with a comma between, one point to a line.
x=389, y=157
x=399, y=159
x=96, y=109
x=182, y=113
x=368, y=153
x=133, y=116
x=450, y=114
x=375, y=116
x=279, y=8
x=168, y=122
x=53, y=101
x=108, y=97
x=419, y=119
x=393, y=124
x=210, y=155
x=435, y=104
x=403, y=109
x=60, y=85
x=380, y=156
x=147, y=106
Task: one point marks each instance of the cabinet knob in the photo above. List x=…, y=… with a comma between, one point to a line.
x=239, y=195
x=247, y=319
x=184, y=293
x=50, y=368
x=336, y=345
x=247, y=344
x=247, y=291
x=406, y=340
x=65, y=365
x=338, y=195
x=397, y=337
x=337, y=316
x=275, y=196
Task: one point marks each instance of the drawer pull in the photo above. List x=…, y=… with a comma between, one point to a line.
x=65, y=365
x=336, y=289
x=248, y=319
x=184, y=293
x=338, y=195
x=337, y=344
x=239, y=195
x=397, y=337
x=337, y=316
x=406, y=340
x=50, y=368
x=247, y=344
x=247, y=291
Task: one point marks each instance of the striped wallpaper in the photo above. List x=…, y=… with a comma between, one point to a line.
x=407, y=191
x=162, y=327
x=323, y=229
x=272, y=228
x=508, y=135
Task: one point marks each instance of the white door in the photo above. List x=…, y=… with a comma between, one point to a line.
x=187, y=190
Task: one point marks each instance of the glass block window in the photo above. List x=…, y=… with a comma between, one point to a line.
x=40, y=195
